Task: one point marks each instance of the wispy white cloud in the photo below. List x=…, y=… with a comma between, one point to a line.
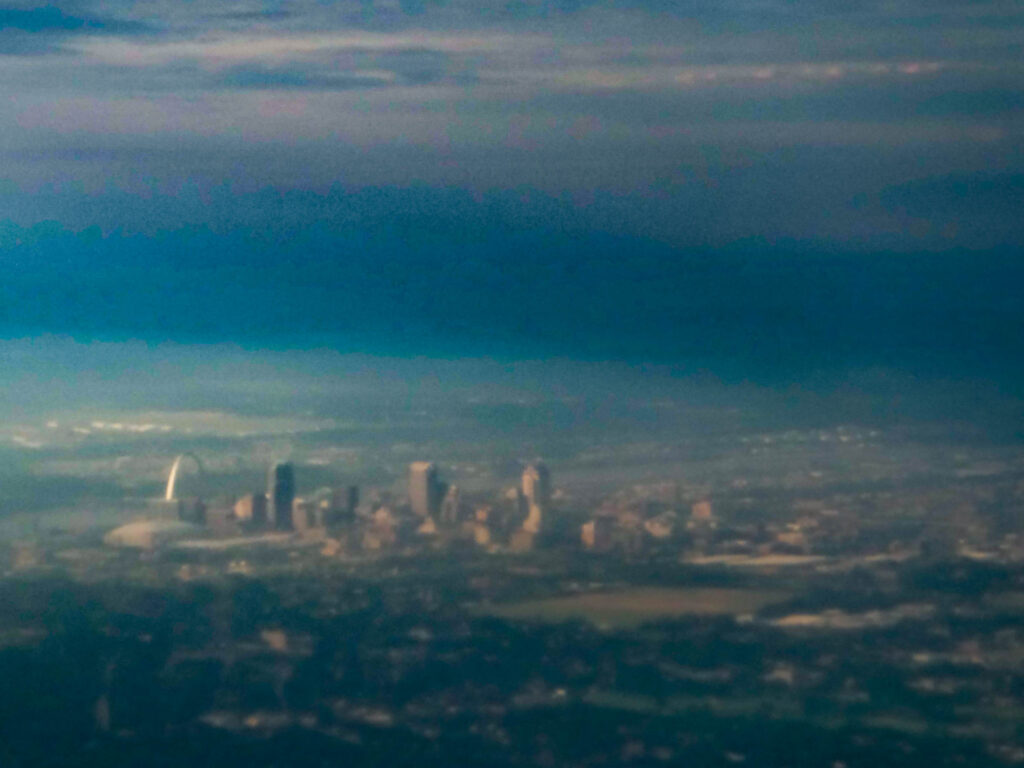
x=223, y=51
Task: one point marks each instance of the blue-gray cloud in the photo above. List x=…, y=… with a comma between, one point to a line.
x=52, y=20
x=353, y=69
x=409, y=272
x=694, y=123
x=995, y=197
x=32, y=31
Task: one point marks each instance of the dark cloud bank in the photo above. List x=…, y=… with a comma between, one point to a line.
x=405, y=273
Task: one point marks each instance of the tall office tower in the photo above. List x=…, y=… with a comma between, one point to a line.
x=537, y=484
x=451, y=505
x=701, y=511
x=252, y=509
x=192, y=511
x=425, y=489
x=280, y=495
x=341, y=506
x=306, y=515
x=537, y=492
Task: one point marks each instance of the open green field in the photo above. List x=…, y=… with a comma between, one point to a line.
x=632, y=607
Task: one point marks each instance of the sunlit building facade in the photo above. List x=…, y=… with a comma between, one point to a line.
x=425, y=489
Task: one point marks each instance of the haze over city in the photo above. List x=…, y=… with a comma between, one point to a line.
x=511, y=382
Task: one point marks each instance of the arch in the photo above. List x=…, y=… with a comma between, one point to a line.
x=169, y=495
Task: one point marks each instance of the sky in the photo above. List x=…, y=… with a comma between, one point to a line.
x=757, y=187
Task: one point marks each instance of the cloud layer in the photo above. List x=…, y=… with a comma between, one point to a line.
x=643, y=128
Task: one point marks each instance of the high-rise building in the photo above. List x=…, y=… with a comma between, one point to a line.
x=341, y=506
x=252, y=509
x=425, y=489
x=701, y=511
x=513, y=512
x=306, y=515
x=537, y=484
x=537, y=493
x=596, y=534
x=280, y=495
x=451, y=505
x=192, y=511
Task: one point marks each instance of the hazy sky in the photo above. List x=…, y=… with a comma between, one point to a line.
x=742, y=179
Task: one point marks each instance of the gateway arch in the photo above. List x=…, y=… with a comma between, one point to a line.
x=173, y=479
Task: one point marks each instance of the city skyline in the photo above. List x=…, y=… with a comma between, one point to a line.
x=512, y=383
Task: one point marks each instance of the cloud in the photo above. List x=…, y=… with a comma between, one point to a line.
x=256, y=15
x=452, y=272
x=755, y=117
x=45, y=19
x=215, y=51
x=40, y=30
x=290, y=78
x=50, y=19
x=995, y=196
x=351, y=69
x=18, y=43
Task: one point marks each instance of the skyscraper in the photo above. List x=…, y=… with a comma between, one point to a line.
x=341, y=506
x=252, y=509
x=192, y=511
x=537, y=493
x=537, y=484
x=425, y=489
x=280, y=495
x=451, y=505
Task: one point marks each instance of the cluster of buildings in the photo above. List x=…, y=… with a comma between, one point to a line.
x=438, y=512
x=663, y=517
x=892, y=523
x=280, y=509
x=431, y=511
x=633, y=527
